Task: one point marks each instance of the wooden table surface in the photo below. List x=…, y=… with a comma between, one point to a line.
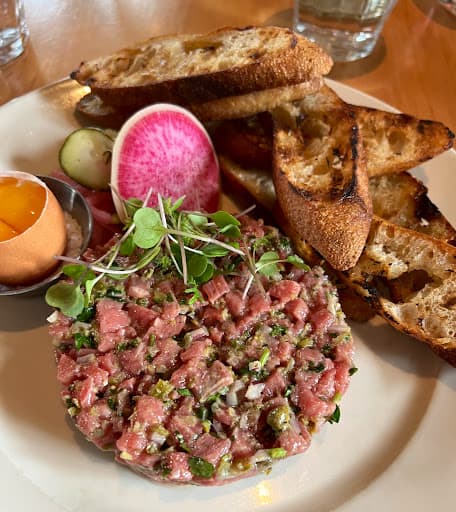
x=413, y=66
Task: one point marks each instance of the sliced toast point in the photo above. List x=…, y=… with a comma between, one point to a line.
x=320, y=178
x=398, y=142
x=94, y=110
x=244, y=105
x=425, y=270
x=196, y=68
x=403, y=200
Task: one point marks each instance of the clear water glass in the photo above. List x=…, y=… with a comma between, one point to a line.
x=347, y=29
x=13, y=30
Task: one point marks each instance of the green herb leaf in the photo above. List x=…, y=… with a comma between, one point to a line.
x=83, y=340
x=231, y=231
x=74, y=271
x=127, y=246
x=177, y=204
x=197, y=220
x=214, y=251
x=352, y=371
x=184, y=392
x=66, y=297
x=227, y=223
x=267, y=264
x=132, y=205
x=207, y=274
x=335, y=417
x=298, y=262
x=196, y=264
x=149, y=229
x=89, y=284
x=200, y=467
x=223, y=219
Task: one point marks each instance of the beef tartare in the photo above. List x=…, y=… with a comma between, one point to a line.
x=211, y=380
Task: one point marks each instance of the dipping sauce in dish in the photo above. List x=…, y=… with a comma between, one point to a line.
x=32, y=229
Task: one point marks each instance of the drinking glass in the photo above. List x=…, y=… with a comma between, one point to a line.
x=13, y=30
x=347, y=29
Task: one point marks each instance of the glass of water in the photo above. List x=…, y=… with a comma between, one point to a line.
x=13, y=30
x=347, y=29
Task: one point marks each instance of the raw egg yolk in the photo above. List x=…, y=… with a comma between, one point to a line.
x=21, y=203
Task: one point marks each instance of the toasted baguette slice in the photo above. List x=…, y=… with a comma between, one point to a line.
x=394, y=143
x=407, y=277
x=203, y=67
x=382, y=134
x=428, y=267
x=244, y=105
x=403, y=200
x=320, y=178
x=388, y=193
x=92, y=108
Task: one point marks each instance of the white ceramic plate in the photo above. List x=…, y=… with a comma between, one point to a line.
x=394, y=449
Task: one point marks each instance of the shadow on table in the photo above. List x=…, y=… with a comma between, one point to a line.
x=436, y=12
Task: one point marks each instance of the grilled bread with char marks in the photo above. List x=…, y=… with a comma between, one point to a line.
x=198, y=68
x=423, y=270
x=392, y=142
x=420, y=283
x=320, y=178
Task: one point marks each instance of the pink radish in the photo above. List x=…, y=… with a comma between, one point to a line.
x=165, y=148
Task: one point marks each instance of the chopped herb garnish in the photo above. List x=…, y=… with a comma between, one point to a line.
x=86, y=315
x=181, y=441
x=317, y=368
x=202, y=413
x=115, y=294
x=184, y=392
x=278, y=330
x=84, y=340
x=127, y=345
x=161, y=389
x=264, y=357
x=112, y=403
x=200, y=467
x=335, y=417
x=277, y=453
x=288, y=391
x=352, y=371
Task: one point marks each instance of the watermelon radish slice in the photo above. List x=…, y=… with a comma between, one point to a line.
x=166, y=149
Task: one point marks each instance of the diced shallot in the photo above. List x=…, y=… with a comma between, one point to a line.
x=254, y=391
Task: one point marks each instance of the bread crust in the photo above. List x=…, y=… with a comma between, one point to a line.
x=323, y=191
x=396, y=142
x=295, y=60
x=244, y=105
x=427, y=310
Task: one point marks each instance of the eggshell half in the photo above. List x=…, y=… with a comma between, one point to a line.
x=29, y=256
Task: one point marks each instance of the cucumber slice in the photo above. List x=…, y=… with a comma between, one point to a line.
x=85, y=156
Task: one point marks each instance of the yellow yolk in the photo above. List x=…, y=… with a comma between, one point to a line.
x=21, y=203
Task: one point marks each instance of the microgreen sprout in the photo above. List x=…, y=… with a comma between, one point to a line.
x=186, y=240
